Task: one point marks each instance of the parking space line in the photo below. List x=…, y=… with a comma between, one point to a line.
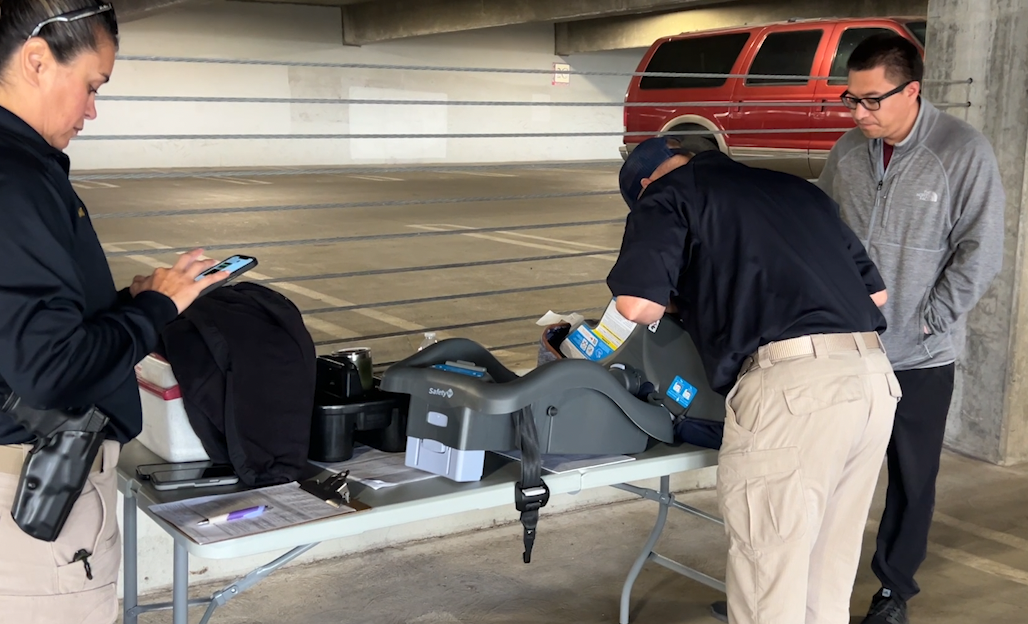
x=975, y=562
x=509, y=241
x=996, y=536
x=336, y=331
x=596, y=171
x=149, y=261
x=376, y=178
x=331, y=329
x=239, y=181
x=481, y=174
x=554, y=240
x=93, y=185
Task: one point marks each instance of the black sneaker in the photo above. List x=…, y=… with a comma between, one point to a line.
x=887, y=608
x=719, y=610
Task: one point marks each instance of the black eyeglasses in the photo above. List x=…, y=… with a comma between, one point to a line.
x=870, y=103
x=72, y=16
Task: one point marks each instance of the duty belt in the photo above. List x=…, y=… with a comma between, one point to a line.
x=12, y=459
x=804, y=346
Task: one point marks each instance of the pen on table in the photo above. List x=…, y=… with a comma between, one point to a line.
x=232, y=516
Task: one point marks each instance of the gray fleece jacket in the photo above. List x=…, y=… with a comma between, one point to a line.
x=932, y=223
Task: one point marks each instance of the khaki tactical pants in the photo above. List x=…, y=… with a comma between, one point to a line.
x=40, y=582
x=806, y=430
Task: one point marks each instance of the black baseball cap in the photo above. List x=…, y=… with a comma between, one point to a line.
x=641, y=164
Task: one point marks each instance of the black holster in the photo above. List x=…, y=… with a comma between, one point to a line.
x=56, y=467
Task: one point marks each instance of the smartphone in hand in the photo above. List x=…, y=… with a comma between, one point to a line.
x=236, y=265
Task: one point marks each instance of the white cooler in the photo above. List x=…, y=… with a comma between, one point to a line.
x=166, y=428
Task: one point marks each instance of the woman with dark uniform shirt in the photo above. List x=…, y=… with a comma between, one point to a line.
x=68, y=338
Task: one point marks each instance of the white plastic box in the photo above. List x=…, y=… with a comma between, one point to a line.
x=166, y=428
x=434, y=457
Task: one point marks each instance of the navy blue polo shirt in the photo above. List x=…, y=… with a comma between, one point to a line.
x=749, y=256
x=68, y=338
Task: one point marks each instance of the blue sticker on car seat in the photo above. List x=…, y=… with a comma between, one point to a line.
x=461, y=370
x=681, y=392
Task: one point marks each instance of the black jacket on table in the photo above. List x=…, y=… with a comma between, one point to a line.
x=68, y=338
x=246, y=365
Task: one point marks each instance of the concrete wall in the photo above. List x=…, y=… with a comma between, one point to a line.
x=302, y=33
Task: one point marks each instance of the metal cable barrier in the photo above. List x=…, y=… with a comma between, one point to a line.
x=485, y=70
x=469, y=135
x=378, y=254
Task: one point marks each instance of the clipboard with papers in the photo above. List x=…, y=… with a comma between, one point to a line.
x=286, y=505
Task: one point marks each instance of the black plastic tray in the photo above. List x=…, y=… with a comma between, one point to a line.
x=377, y=419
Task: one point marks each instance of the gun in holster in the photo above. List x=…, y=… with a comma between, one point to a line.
x=56, y=468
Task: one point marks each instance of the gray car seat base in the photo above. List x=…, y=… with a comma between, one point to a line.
x=578, y=406
x=567, y=406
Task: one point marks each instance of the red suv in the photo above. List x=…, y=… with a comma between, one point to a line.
x=760, y=83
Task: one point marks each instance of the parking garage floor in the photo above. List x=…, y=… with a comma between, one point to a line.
x=383, y=258
x=976, y=571
x=370, y=258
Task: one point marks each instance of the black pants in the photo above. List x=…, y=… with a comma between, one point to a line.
x=914, y=454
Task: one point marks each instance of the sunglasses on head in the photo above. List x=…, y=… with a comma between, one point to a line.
x=73, y=16
x=870, y=103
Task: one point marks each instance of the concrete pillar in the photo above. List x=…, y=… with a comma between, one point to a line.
x=987, y=40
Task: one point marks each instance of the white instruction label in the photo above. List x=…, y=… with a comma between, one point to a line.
x=596, y=344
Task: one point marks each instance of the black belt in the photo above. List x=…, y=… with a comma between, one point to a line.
x=530, y=493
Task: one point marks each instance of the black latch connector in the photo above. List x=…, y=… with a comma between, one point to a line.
x=529, y=501
x=531, y=498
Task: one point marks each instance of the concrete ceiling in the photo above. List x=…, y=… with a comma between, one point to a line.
x=581, y=25
x=386, y=20
x=337, y=3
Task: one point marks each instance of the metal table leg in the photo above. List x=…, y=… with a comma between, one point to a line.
x=129, y=544
x=180, y=587
x=180, y=601
x=251, y=579
x=666, y=501
x=647, y=553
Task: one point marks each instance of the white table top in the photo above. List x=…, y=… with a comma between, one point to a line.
x=412, y=502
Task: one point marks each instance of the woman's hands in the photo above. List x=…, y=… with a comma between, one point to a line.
x=179, y=283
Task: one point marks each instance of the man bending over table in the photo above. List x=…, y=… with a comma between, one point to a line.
x=782, y=302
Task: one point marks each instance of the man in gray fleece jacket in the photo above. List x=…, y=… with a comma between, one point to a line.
x=922, y=191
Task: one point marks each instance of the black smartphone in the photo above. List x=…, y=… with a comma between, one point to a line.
x=236, y=265
x=193, y=477
x=144, y=471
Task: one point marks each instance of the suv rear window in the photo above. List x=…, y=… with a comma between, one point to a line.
x=789, y=53
x=918, y=29
x=714, y=54
x=850, y=39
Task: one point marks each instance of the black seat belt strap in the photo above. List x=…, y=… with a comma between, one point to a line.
x=531, y=493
